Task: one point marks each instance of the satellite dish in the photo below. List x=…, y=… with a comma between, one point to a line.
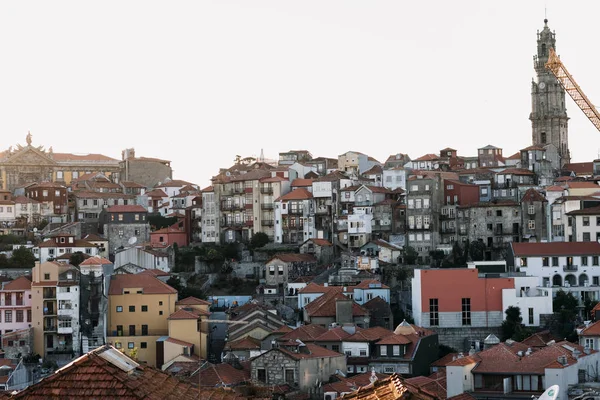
x=132, y=240
x=550, y=394
x=35, y=229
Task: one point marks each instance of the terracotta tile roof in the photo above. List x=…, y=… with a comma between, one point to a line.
x=222, y=374
x=336, y=334
x=168, y=229
x=592, y=329
x=555, y=249
x=314, y=288
x=516, y=156
x=442, y=362
x=149, y=284
x=367, y=284
x=188, y=314
x=430, y=385
x=76, y=243
x=65, y=157
x=273, y=179
x=555, y=188
x=246, y=343
x=132, y=185
x=154, y=272
x=373, y=334
x=208, y=189
x=427, y=157
x=462, y=361
x=515, y=171
x=24, y=200
x=395, y=339
x=298, y=182
x=325, y=306
x=283, y=329
x=533, y=195
x=375, y=169
x=21, y=283
x=294, y=257
x=310, y=351
x=94, y=238
x=179, y=342
x=173, y=183
x=582, y=185
x=392, y=388
x=583, y=168
x=586, y=211
x=106, y=373
x=296, y=194
x=320, y=242
x=96, y=261
x=192, y=301
x=156, y=193
x=125, y=209
x=305, y=333
x=462, y=396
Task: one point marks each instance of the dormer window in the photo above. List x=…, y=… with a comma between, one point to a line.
x=70, y=240
x=62, y=240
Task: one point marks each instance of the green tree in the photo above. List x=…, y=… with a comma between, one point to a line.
x=477, y=250
x=157, y=221
x=258, y=240
x=22, y=258
x=565, y=314
x=410, y=255
x=76, y=258
x=436, y=257
x=564, y=301
x=444, y=350
x=512, y=324
x=185, y=291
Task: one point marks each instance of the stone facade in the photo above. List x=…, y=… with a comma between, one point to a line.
x=145, y=171
x=462, y=338
x=119, y=235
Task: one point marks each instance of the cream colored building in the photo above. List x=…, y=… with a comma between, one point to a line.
x=138, y=310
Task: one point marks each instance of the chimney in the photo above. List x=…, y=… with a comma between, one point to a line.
x=343, y=311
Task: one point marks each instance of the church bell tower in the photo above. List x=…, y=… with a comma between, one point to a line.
x=549, y=120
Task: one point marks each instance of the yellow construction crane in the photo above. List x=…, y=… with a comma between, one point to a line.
x=566, y=80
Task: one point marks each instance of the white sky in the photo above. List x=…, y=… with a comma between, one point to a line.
x=198, y=82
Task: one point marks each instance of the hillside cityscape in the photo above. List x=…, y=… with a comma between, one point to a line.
x=443, y=276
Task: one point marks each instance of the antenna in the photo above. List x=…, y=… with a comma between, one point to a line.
x=132, y=240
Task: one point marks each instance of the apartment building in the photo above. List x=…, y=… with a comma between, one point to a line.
x=55, y=309
x=63, y=243
x=15, y=305
x=138, y=309
x=210, y=216
x=293, y=221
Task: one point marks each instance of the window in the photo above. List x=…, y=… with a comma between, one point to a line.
x=586, y=236
x=383, y=351
x=363, y=352
x=396, y=349
x=261, y=375
x=595, y=260
x=335, y=347
x=466, y=311
x=144, y=330
x=369, y=296
x=523, y=261
x=130, y=345
x=555, y=261
x=143, y=345
x=586, y=221
x=498, y=213
x=46, y=277
x=389, y=370
x=119, y=308
x=7, y=316
x=144, y=308
x=530, y=316
x=160, y=313
x=131, y=308
x=597, y=221
x=28, y=315
x=289, y=376
x=531, y=209
x=584, y=261
x=545, y=262
x=434, y=316
x=589, y=343
x=19, y=316
x=131, y=330
x=450, y=187
x=531, y=224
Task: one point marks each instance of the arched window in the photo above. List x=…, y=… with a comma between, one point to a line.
x=543, y=49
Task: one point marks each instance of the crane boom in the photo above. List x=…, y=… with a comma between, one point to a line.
x=566, y=80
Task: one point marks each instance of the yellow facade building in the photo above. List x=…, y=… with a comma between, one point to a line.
x=138, y=310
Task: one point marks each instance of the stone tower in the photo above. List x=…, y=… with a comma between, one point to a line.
x=549, y=120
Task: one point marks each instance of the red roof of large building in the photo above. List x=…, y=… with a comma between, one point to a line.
x=296, y=194
x=148, y=283
x=555, y=249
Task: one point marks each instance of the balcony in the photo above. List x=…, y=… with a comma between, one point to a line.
x=266, y=190
x=232, y=224
x=238, y=190
x=266, y=206
x=448, y=230
x=49, y=293
x=249, y=224
x=296, y=211
x=367, y=203
x=267, y=222
x=231, y=207
x=248, y=206
x=570, y=268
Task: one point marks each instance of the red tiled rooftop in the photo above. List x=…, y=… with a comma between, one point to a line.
x=296, y=194
x=294, y=257
x=188, y=314
x=556, y=249
x=148, y=283
x=191, y=301
x=302, y=182
x=96, y=261
x=21, y=283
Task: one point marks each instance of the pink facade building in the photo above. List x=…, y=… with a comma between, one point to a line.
x=15, y=305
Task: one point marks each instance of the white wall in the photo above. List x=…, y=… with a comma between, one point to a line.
x=416, y=297
x=459, y=379
x=539, y=300
x=562, y=377
x=355, y=348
